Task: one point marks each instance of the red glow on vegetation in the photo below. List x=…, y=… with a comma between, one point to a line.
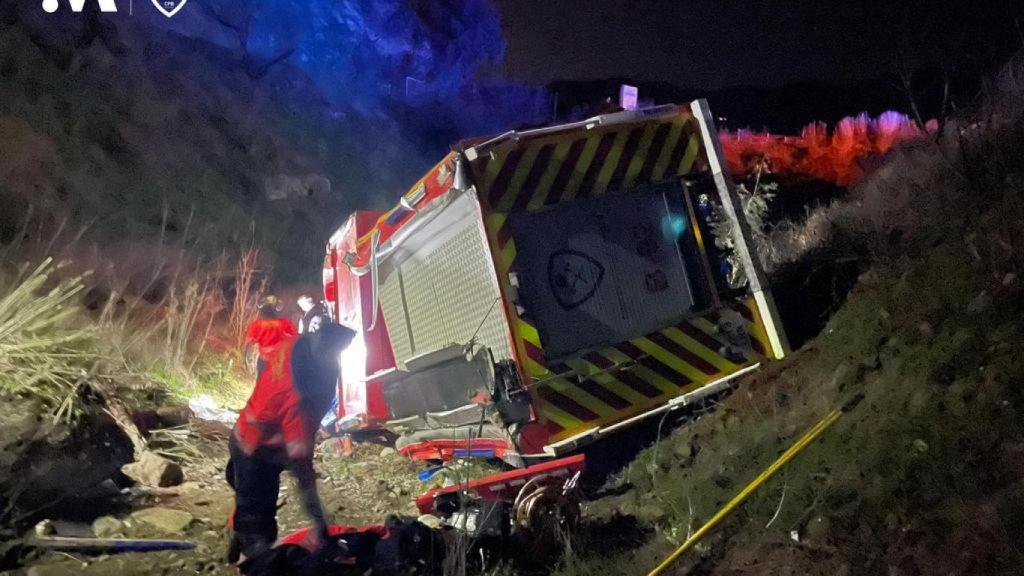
x=817, y=153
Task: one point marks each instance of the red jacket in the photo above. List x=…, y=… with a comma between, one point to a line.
x=271, y=417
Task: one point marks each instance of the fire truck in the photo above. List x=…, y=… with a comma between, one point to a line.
x=538, y=290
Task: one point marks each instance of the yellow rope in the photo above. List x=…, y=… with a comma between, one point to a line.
x=788, y=455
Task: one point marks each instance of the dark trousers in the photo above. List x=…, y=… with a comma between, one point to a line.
x=256, y=479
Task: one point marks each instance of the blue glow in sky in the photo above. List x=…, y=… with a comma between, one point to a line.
x=430, y=58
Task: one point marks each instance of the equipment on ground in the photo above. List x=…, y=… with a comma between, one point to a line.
x=81, y=545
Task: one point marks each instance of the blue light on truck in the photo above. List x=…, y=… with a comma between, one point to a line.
x=674, y=225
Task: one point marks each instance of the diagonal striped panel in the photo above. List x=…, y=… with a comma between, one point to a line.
x=502, y=171
x=607, y=385
x=629, y=153
x=601, y=387
x=575, y=160
x=595, y=165
x=560, y=156
x=623, y=138
x=542, y=171
x=653, y=153
x=639, y=159
x=504, y=200
x=601, y=377
x=690, y=155
x=675, y=133
x=540, y=164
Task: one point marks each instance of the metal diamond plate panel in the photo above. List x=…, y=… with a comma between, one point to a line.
x=439, y=298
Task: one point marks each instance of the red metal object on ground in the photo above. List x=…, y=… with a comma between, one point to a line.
x=298, y=537
x=506, y=485
x=446, y=449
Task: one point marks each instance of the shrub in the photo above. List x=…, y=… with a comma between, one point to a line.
x=45, y=351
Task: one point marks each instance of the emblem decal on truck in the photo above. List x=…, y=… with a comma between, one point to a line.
x=573, y=277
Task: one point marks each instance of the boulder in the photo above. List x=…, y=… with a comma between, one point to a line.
x=164, y=519
x=173, y=415
x=45, y=528
x=281, y=186
x=154, y=470
x=284, y=186
x=317, y=185
x=107, y=527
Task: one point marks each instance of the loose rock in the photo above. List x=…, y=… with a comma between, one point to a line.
x=45, y=528
x=107, y=527
x=173, y=415
x=154, y=470
x=165, y=519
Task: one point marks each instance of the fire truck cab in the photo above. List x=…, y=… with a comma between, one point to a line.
x=543, y=288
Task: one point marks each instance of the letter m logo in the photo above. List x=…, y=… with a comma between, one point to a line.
x=52, y=6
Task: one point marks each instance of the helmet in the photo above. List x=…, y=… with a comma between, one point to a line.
x=269, y=306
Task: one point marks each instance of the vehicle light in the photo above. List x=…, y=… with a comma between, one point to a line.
x=674, y=226
x=352, y=361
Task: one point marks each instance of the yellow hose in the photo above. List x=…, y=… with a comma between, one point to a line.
x=786, y=456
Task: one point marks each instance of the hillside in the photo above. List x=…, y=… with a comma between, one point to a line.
x=179, y=174
x=143, y=135
x=923, y=474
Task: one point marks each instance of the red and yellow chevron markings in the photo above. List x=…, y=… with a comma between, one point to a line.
x=612, y=384
x=548, y=170
x=615, y=383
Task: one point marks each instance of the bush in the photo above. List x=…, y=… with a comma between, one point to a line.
x=45, y=351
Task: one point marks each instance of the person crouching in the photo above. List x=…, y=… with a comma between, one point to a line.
x=275, y=432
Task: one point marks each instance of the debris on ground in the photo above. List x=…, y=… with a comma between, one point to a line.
x=154, y=470
x=107, y=527
x=164, y=519
x=204, y=407
x=107, y=545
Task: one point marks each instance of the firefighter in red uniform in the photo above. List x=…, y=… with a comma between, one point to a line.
x=275, y=430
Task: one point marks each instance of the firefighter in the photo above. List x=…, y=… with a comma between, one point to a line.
x=275, y=431
x=314, y=314
x=265, y=331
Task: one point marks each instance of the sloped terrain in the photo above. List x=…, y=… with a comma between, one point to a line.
x=356, y=491
x=924, y=472
x=135, y=132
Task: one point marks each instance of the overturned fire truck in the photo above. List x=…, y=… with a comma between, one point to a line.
x=543, y=288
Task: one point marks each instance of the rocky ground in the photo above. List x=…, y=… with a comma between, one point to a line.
x=356, y=490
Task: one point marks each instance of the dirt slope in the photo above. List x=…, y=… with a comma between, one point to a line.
x=356, y=491
x=925, y=473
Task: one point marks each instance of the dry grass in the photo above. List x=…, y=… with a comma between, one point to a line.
x=45, y=349
x=923, y=182
x=126, y=319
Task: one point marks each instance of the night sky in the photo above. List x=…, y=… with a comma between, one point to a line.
x=712, y=44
